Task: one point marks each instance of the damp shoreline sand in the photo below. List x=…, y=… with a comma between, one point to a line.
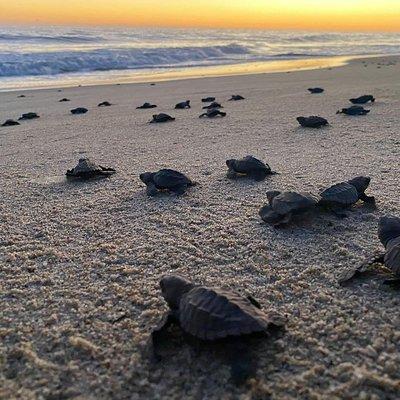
x=80, y=262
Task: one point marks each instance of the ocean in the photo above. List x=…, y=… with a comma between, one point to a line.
x=67, y=56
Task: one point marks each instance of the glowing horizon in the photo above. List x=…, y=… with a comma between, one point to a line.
x=339, y=15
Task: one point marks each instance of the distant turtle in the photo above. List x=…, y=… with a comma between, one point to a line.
x=389, y=235
x=212, y=105
x=363, y=99
x=30, y=115
x=79, y=110
x=283, y=206
x=248, y=166
x=63, y=100
x=165, y=179
x=209, y=314
x=345, y=194
x=146, y=106
x=104, y=104
x=312, y=122
x=354, y=110
x=183, y=105
x=236, y=97
x=21, y=96
x=10, y=122
x=208, y=99
x=162, y=118
x=86, y=169
x=212, y=113
x=316, y=90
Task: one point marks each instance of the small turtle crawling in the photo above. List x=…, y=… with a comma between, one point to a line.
x=183, y=105
x=363, y=99
x=161, y=118
x=354, y=110
x=248, y=166
x=389, y=235
x=312, y=122
x=212, y=113
x=316, y=90
x=79, y=110
x=63, y=100
x=146, y=106
x=283, y=206
x=104, y=104
x=30, y=115
x=236, y=97
x=212, y=105
x=211, y=314
x=10, y=122
x=86, y=169
x=165, y=179
x=207, y=99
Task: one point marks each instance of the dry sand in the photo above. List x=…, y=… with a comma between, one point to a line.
x=80, y=263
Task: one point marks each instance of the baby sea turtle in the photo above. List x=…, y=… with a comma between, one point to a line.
x=10, y=122
x=207, y=99
x=79, y=110
x=104, y=104
x=63, y=100
x=165, y=179
x=236, y=97
x=161, y=118
x=389, y=235
x=216, y=315
x=354, y=110
x=30, y=115
x=213, y=113
x=145, y=106
x=312, y=122
x=212, y=105
x=21, y=96
x=86, y=169
x=316, y=90
x=183, y=105
x=248, y=166
x=283, y=206
x=363, y=99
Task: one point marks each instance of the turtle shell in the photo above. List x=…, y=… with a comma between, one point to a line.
x=288, y=202
x=249, y=164
x=341, y=193
x=168, y=178
x=86, y=166
x=389, y=228
x=392, y=256
x=214, y=313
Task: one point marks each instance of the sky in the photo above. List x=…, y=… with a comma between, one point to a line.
x=342, y=15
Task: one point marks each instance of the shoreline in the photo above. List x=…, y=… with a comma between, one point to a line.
x=241, y=69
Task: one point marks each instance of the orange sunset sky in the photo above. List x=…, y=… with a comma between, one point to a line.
x=355, y=15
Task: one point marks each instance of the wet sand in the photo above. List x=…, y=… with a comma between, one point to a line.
x=80, y=262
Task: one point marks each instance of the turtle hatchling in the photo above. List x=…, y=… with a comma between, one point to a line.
x=165, y=180
x=316, y=90
x=354, y=110
x=86, y=169
x=161, y=118
x=212, y=105
x=312, y=122
x=236, y=97
x=389, y=235
x=283, y=206
x=10, y=122
x=363, y=99
x=207, y=99
x=104, y=104
x=213, y=113
x=30, y=115
x=183, y=105
x=248, y=166
x=79, y=110
x=63, y=100
x=146, y=106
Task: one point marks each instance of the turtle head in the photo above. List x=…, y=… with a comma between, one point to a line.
x=389, y=228
x=146, y=177
x=300, y=120
x=230, y=163
x=173, y=287
x=272, y=194
x=361, y=183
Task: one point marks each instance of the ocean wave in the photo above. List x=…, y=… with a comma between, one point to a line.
x=61, y=38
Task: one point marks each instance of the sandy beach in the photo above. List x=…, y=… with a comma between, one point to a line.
x=80, y=262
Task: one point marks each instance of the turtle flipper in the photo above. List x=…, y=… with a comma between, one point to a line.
x=231, y=174
x=377, y=258
x=179, y=190
x=367, y=199
x=269, y=216
x=158, y=336
x=151, y=189
x=258, y=175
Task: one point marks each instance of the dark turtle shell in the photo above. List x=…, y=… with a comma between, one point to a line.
x=162, y=118
x=249, y=164
x=315, y=90
x=212, y=113
x=392, y=256
x=207, y=99
x=10, y=122
x=354, y=110
x=104, y=104
x=342, y=193
x=64, y=100
x=212, y=105
x=146, y=106
x=289, y=202
x=363, y=99
x=389, y=228
x=30, y=115
x=79, y=110
x=236, y=97
x=312, y=121
x=169, y=178
x=215, y=313
x=87, y=169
